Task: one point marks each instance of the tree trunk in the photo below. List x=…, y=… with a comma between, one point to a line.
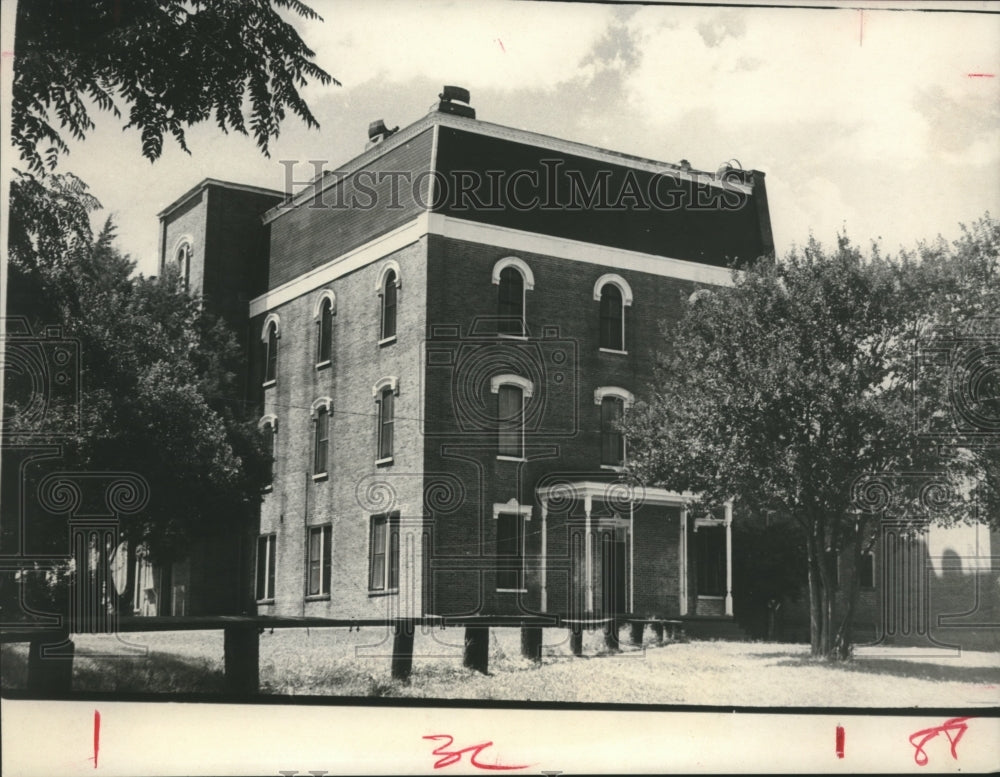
x=842, y=643
x=815, y=607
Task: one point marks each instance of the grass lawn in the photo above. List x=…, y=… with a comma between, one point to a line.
x=341, y=663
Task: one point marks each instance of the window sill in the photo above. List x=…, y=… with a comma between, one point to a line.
x=512, y=590
x=317, y=597
x=320, y=476
x=614, y=351
x=268, y=383
x=265, y=601
x=323, y=364
x=519, y=459
x=385, y=462
x=613, y=467
x=522, y=338
x=386, y=341
x=711, y=597
x=387, y=592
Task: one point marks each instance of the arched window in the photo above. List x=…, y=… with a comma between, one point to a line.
x=321, y=436
x=511, y=391
x=269, y=428
x=385, y=392
x=389, y=293
x=183, y=258
x=325, y=309
x=270, y=336
x=613, y=402
x=614, y=295
x=513, y=278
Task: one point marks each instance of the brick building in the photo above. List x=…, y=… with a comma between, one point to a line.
x=441, y=335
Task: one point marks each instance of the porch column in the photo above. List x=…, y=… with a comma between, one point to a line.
x=683, y=553
x=588, y=545
x=631, y=556
x=545, y=559
x=729, y=558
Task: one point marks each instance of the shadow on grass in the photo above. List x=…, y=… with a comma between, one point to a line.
x=916, y=670
x=153, y=673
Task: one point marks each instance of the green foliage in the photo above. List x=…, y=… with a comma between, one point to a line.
x=795, y=387
x=157, y=376
x=173, y=63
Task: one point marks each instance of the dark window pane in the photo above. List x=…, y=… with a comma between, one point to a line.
x=376, y=566
x=268, y=431
x=261, y=567
x=612, y=330
x=510, y=308
x=386, y=413
x=509, y=550
x=393, y=555
x=322, y=440
x=510, y=412
x=327, y=564
x=710, y=542
x=612, y=440
x=271, y=366
x=325, y=332
x=315, y=560
x=389, y=305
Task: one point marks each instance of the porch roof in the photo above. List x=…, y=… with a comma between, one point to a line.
x=614, y=491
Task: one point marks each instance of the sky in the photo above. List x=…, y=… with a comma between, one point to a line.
x=883, y=124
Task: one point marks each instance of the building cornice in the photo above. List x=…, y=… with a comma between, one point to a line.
x=515, y=240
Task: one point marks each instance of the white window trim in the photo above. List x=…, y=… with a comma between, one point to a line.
x=391, y=264
x=614, y=391
x=527, y=391
x=520, y=265
x=326, y=294
x=526, y=386
x=324, y=402
x=628, y=399
x=615, y=280
x=389, y=381
x=272, y=318
x=513, y=507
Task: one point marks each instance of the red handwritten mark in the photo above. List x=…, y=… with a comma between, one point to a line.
x=982, y=75
x=925, y=735
x=504, y=50
x=449, y=757
x=840, y=741
x=97, y=735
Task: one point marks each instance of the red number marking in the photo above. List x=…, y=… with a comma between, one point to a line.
x=449, y=757
x=922, y=737
x=840, y=741
x=97, y=735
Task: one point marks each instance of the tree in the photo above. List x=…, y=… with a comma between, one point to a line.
x=174, y=63
x=157, y=393
x=791, y=392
